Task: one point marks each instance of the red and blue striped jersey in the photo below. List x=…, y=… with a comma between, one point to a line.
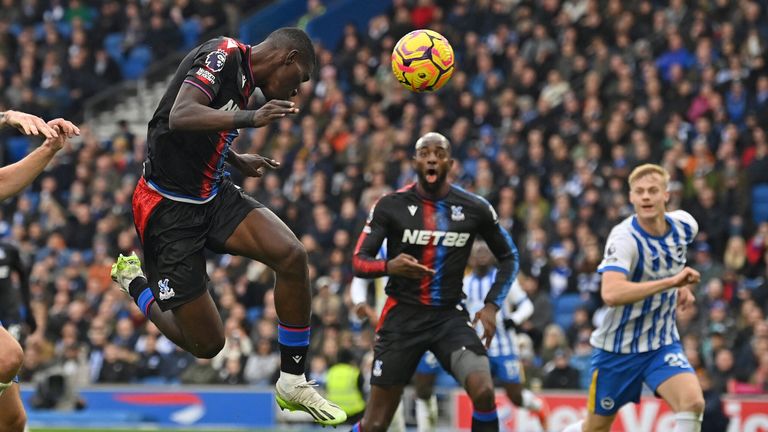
x=189, y=165
x=439, y=234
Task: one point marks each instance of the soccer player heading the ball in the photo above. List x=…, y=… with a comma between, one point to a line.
x=430, y=227
x=185, y=202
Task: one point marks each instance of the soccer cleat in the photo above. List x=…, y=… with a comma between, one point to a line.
x=304, y=397
x=125, y=270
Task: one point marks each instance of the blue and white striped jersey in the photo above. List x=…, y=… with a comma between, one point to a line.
x=648, y=324
x=476, y=288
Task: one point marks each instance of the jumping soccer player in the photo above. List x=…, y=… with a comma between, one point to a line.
x=644, y=279
x=185, y=202
x=14, y=178
x=430, y=227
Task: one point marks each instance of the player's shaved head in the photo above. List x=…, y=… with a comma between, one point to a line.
x=433, y=137
x=292, y=38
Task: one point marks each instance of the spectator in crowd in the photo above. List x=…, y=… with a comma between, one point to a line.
x=263, y=364
x=560, y=374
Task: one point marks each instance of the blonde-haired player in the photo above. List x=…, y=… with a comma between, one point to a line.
x=644, y=279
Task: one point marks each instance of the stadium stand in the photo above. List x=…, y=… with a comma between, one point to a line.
x=552, y=104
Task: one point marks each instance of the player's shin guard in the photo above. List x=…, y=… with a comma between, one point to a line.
x=485, y=421
x=688, y=422
x=294, y=343
x=142, y=294
x=4, y=387
x=575, y=427
x=426, y=414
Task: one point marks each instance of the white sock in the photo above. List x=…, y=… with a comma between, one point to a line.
x=530, y=401
x=398, y=420
x=4, y=386
x=687, y=421
x=426, y=414
x=575, y=427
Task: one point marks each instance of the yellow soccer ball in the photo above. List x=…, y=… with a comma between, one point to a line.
x=423, y=61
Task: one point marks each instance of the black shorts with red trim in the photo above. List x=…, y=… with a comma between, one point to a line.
x=174, y=235
x=406, y=332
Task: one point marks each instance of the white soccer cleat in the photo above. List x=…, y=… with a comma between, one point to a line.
x=125, y=270
x=304, y=397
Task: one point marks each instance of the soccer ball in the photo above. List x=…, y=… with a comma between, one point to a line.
x=423, y=61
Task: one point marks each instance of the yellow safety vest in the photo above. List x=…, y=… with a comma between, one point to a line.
x=341, y=386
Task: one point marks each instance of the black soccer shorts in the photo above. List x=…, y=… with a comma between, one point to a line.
x=406, y=332
x=174, y=235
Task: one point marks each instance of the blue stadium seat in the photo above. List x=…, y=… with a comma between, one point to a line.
x=760, y=202
x=64, y=28
x=253, y=314
x=190, y=30
x=113, y=45
x=15, y=28
x=16, y=148
x=278, y=14
x=39, y=31
x=563, y=308
x=329, y=27
x=137, y=62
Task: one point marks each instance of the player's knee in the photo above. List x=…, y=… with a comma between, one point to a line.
x=295, y=260
x=693, y=404
x=16, y=424
x=483, y=397
x=11, y=360
x=209, y=349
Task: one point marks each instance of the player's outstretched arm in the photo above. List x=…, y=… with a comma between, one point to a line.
x=27, y=124
x=17, y=176
x=190, y=112
x=616, y=290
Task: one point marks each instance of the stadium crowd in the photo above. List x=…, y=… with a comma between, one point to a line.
x=552, y=104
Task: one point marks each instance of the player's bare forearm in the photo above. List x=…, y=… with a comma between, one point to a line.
x=193, y=116
x=625, y=292
x=616, y=290
x=190, y=112
x=17, y=176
